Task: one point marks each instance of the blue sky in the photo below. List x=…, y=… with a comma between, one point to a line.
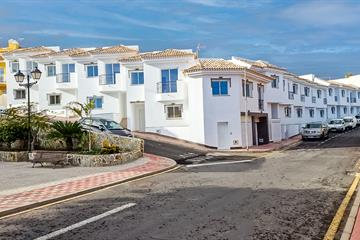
x=321, y=37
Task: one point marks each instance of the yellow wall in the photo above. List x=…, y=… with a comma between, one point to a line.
x=12, y=45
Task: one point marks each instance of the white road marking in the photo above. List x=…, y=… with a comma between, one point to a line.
x=217, y=163
x=82, y=223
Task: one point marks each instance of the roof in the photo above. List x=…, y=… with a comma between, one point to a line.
x=111, y=50
x=340, y=84
x=260, y=63
x=174, y=53
x=214, y=65
x=67, y=52
x=30, y=50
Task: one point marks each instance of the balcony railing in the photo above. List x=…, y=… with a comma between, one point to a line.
x=325, y=100
x=63, y=77
x=313, y=99
x=291, y=95
x=303, y=98
x=107, y=79
x=353, y=100
x=167, y=87
x=261, y=104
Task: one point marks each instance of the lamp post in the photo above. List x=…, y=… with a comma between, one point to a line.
x=19, y=78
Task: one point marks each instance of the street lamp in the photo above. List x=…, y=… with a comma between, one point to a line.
x=19, y=78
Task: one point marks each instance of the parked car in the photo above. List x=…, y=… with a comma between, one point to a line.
x=337, y=125
x=315, y=130
x=350, y=122
x=357, y=119
x=105, y=125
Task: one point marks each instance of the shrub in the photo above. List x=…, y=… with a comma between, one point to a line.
x=108, y=148
x=68, y=131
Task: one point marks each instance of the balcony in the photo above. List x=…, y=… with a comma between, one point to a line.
x=111, y=83
x=261, y=104
x=313, y=99
x=291, y=95
x=171, y=91
x=353, y=100
x=66, y=81
x=303, y=98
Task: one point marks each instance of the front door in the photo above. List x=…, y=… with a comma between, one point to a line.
x=223, y=135
x=262, y=131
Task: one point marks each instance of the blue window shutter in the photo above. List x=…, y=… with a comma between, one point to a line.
x=215, y=87
x=165, y=80
x=224, y=87
x=71, y=68
x=116, y=68
x=134, y=79
x=108, y=69
x=96, y=71
x=173, y=74
x=141, y=77
x=89, y=71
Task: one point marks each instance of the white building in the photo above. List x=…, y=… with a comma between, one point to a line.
x=214, y=102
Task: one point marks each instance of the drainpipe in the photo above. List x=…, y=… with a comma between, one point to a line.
x=246, y=114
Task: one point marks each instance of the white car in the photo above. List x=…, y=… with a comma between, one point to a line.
x=337, y=125
x=350, y=122
x=358, y=119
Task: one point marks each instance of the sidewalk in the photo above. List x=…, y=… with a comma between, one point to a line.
x=20, y=199
x=254, y=149
x=352, y=227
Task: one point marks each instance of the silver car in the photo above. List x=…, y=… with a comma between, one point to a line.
x=316, y=130
x=337, y=125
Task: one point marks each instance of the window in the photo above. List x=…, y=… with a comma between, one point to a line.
x=54, y=99
x=345, y=110
x=51, y=70
x=247, y=89
x=68, y=68
x=330, y=92
x=14, y=67
x=352, y=110
x=137, y=78
x=284, y=83
x=343, y=93
x=311, y=113
x=307, y=91
x=92, y=71
x=333, y=110
x=295, y=88
x=168, y=80
x=318, y=93
x=112, y=68
x=2, y=73
x=98, y=101
x=358, y=94
x=275, y=82
x=287, y=111
x=299, y=112
x=173, y=111
x=322, y=113
x=19, y=94
x=30, y=66
x=220, y=87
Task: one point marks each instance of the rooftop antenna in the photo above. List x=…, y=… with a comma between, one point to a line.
x=198, y=50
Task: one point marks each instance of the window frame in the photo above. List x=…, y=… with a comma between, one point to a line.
x=93, y=66
x=137, y=82
x=343, y=93
x=94, y=98
x=287, y=112
x=311, y=113
x=275, y=82
x=180, y=106
x=330, y=92
x=55, y=98
x=2, y=75
x=220, y=80
x=47, y=70
x=299, y=110
x=19, y=90
x=333, y=112
x=248, y=89
x=12, y=68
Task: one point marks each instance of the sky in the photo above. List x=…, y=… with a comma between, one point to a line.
x=320, y=37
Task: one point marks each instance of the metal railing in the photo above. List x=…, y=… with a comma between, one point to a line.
x=107, y=79
x=63, y=77
x=261, y=104
x=313, y=99
x=167, y=87
x=353, y=100
x=291, y=95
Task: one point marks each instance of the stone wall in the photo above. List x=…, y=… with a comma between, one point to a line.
x=19, y=156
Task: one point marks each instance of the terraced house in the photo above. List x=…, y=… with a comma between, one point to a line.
x=214, y=102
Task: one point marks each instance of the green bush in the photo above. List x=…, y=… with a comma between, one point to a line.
x=68, y=131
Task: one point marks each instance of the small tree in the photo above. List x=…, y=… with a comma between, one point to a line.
x=68, y=131
x=82, y=110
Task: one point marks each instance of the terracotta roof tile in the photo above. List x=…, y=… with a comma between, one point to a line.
x=158, y=55
x=68, y=52
x=112, y=50
x=30, y=50
x=261, y=64
x=214, y=65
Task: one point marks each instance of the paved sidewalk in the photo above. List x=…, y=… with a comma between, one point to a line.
x=12, y=203
x=255, y=149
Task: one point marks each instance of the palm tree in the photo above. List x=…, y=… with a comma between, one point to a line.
x=66, y=131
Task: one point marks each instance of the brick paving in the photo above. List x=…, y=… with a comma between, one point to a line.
x=11, y=202
x=355, y=235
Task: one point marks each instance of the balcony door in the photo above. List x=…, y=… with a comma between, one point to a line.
x=168, y=80
x=111, y=69
x=66, y=70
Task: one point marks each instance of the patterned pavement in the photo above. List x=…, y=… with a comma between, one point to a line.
x=32, y=198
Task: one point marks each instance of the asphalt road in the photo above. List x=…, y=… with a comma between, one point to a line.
x=291, y=194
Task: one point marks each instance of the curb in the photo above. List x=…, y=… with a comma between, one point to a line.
x=23, y=209
x=335, y=223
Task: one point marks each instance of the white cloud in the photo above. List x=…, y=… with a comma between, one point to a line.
x=51, y=32
x=324, y=13
x=230, y=3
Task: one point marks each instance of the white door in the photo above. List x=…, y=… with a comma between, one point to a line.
x=223, y=135
x=140, y=118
